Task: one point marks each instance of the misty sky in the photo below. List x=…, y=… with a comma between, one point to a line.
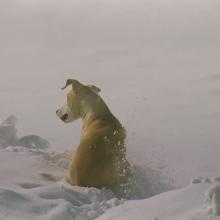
x=36, y=35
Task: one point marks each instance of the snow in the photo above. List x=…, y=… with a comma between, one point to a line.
x=213, y=198
x=33, y=183
x=25, y=194
x=157, y=64
x=188, y=203
x=8, y=136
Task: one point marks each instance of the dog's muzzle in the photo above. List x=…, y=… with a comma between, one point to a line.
x=64, y=117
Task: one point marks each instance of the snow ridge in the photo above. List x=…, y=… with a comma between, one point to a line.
x=8, y=136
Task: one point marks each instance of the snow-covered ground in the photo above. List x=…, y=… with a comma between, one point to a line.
x=200, y=201
x=157, y=63
x=25, y=194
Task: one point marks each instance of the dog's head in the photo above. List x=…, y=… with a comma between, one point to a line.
x=71, y=110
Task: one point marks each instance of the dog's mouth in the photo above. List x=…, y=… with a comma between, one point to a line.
x=64, y=117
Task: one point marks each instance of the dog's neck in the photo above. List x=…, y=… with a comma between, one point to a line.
x=87, y=118
x=87, y=114
x=90, y=112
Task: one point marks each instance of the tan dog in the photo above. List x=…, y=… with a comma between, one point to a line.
x=99, y=160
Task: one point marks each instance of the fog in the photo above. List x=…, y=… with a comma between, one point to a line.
x=157, y=63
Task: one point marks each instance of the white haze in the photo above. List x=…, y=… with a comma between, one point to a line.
x=157, y=63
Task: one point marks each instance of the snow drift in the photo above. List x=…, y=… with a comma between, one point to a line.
x=25, y=194
x=198, y=201
x=8, y=136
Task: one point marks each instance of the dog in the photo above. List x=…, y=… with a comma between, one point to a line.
x=99, y=160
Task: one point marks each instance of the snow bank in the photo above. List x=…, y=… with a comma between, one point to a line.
x=8, y=136
x=37, y=201
x=8, y=131
x=198, y=201
x=25, y=194
x=213, y=198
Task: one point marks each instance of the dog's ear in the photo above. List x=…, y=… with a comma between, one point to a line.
x=76, y=85
x=94, y=88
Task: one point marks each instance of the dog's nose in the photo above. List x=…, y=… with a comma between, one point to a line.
x=64, y=117
x=57, y=111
